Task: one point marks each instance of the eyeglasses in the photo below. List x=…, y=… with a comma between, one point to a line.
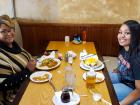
x=124, y=33
x=5, y=32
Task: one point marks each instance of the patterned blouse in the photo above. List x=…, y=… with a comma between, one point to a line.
x=13, y=62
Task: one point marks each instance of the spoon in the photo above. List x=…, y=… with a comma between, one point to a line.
x=98, y=97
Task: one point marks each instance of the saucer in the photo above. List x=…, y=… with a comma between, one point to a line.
x=99, y=77
x=74, y=99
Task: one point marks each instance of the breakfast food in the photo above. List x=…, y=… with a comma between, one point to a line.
x=91, y=61
x=50, y=62
x=41, y=78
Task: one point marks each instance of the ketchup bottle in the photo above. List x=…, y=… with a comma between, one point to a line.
x=84, y=36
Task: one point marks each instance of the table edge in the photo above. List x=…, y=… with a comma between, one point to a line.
x=20, y=92
x=110, y=87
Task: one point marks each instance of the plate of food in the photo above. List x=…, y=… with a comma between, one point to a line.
x=93, y=62
x=47, y=63
x=40, y=76
x=74, y=99
x=88, y=68
x=99, y=77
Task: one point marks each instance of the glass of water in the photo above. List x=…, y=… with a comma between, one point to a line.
x=70, y=77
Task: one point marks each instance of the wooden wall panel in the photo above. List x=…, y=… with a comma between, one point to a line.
x=37, y=35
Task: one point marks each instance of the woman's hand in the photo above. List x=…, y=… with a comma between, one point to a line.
x=31, y=65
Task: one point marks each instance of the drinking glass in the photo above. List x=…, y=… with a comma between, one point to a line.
x=70, y=78
x=70, y=81
x=67, y=38
x=90, y=80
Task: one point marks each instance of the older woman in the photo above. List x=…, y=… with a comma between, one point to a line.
x=16, y=64
x=126, y=78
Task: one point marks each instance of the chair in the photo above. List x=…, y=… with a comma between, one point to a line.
x=18, y=39
x=18, y=36
x=111, y=62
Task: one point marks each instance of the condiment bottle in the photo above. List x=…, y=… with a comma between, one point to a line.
x=84, y=36
x=65, y=96
x=70, y=58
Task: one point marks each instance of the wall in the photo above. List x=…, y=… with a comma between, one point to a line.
x=6, y=7
x=74, y=11
x=103, y=35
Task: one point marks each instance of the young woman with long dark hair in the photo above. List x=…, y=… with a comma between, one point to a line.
x=126, y=78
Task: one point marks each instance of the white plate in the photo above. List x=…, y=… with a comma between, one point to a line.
x=46, y=67
x=85, y=56
x=88, y=68
x=99, y=63
x=98, y=75
x=74, y=100
x=40, y=73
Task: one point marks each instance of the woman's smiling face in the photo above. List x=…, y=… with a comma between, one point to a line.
x=6, y=34
x=124, y=37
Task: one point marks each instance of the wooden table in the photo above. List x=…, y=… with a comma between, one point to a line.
x=41, y=94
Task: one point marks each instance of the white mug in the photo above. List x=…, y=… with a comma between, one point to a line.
x=67, y=38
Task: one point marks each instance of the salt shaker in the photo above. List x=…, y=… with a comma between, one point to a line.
x=66, y=57
x=70, y=58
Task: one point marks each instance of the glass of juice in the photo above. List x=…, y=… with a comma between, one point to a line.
x=90, y=80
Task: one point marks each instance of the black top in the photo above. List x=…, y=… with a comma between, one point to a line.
x=129, y=67
x=7, y=58
x=15, y=49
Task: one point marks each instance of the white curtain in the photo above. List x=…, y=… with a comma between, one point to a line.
x=12, y=8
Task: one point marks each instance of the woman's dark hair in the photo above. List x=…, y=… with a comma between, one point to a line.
x=134, y=28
